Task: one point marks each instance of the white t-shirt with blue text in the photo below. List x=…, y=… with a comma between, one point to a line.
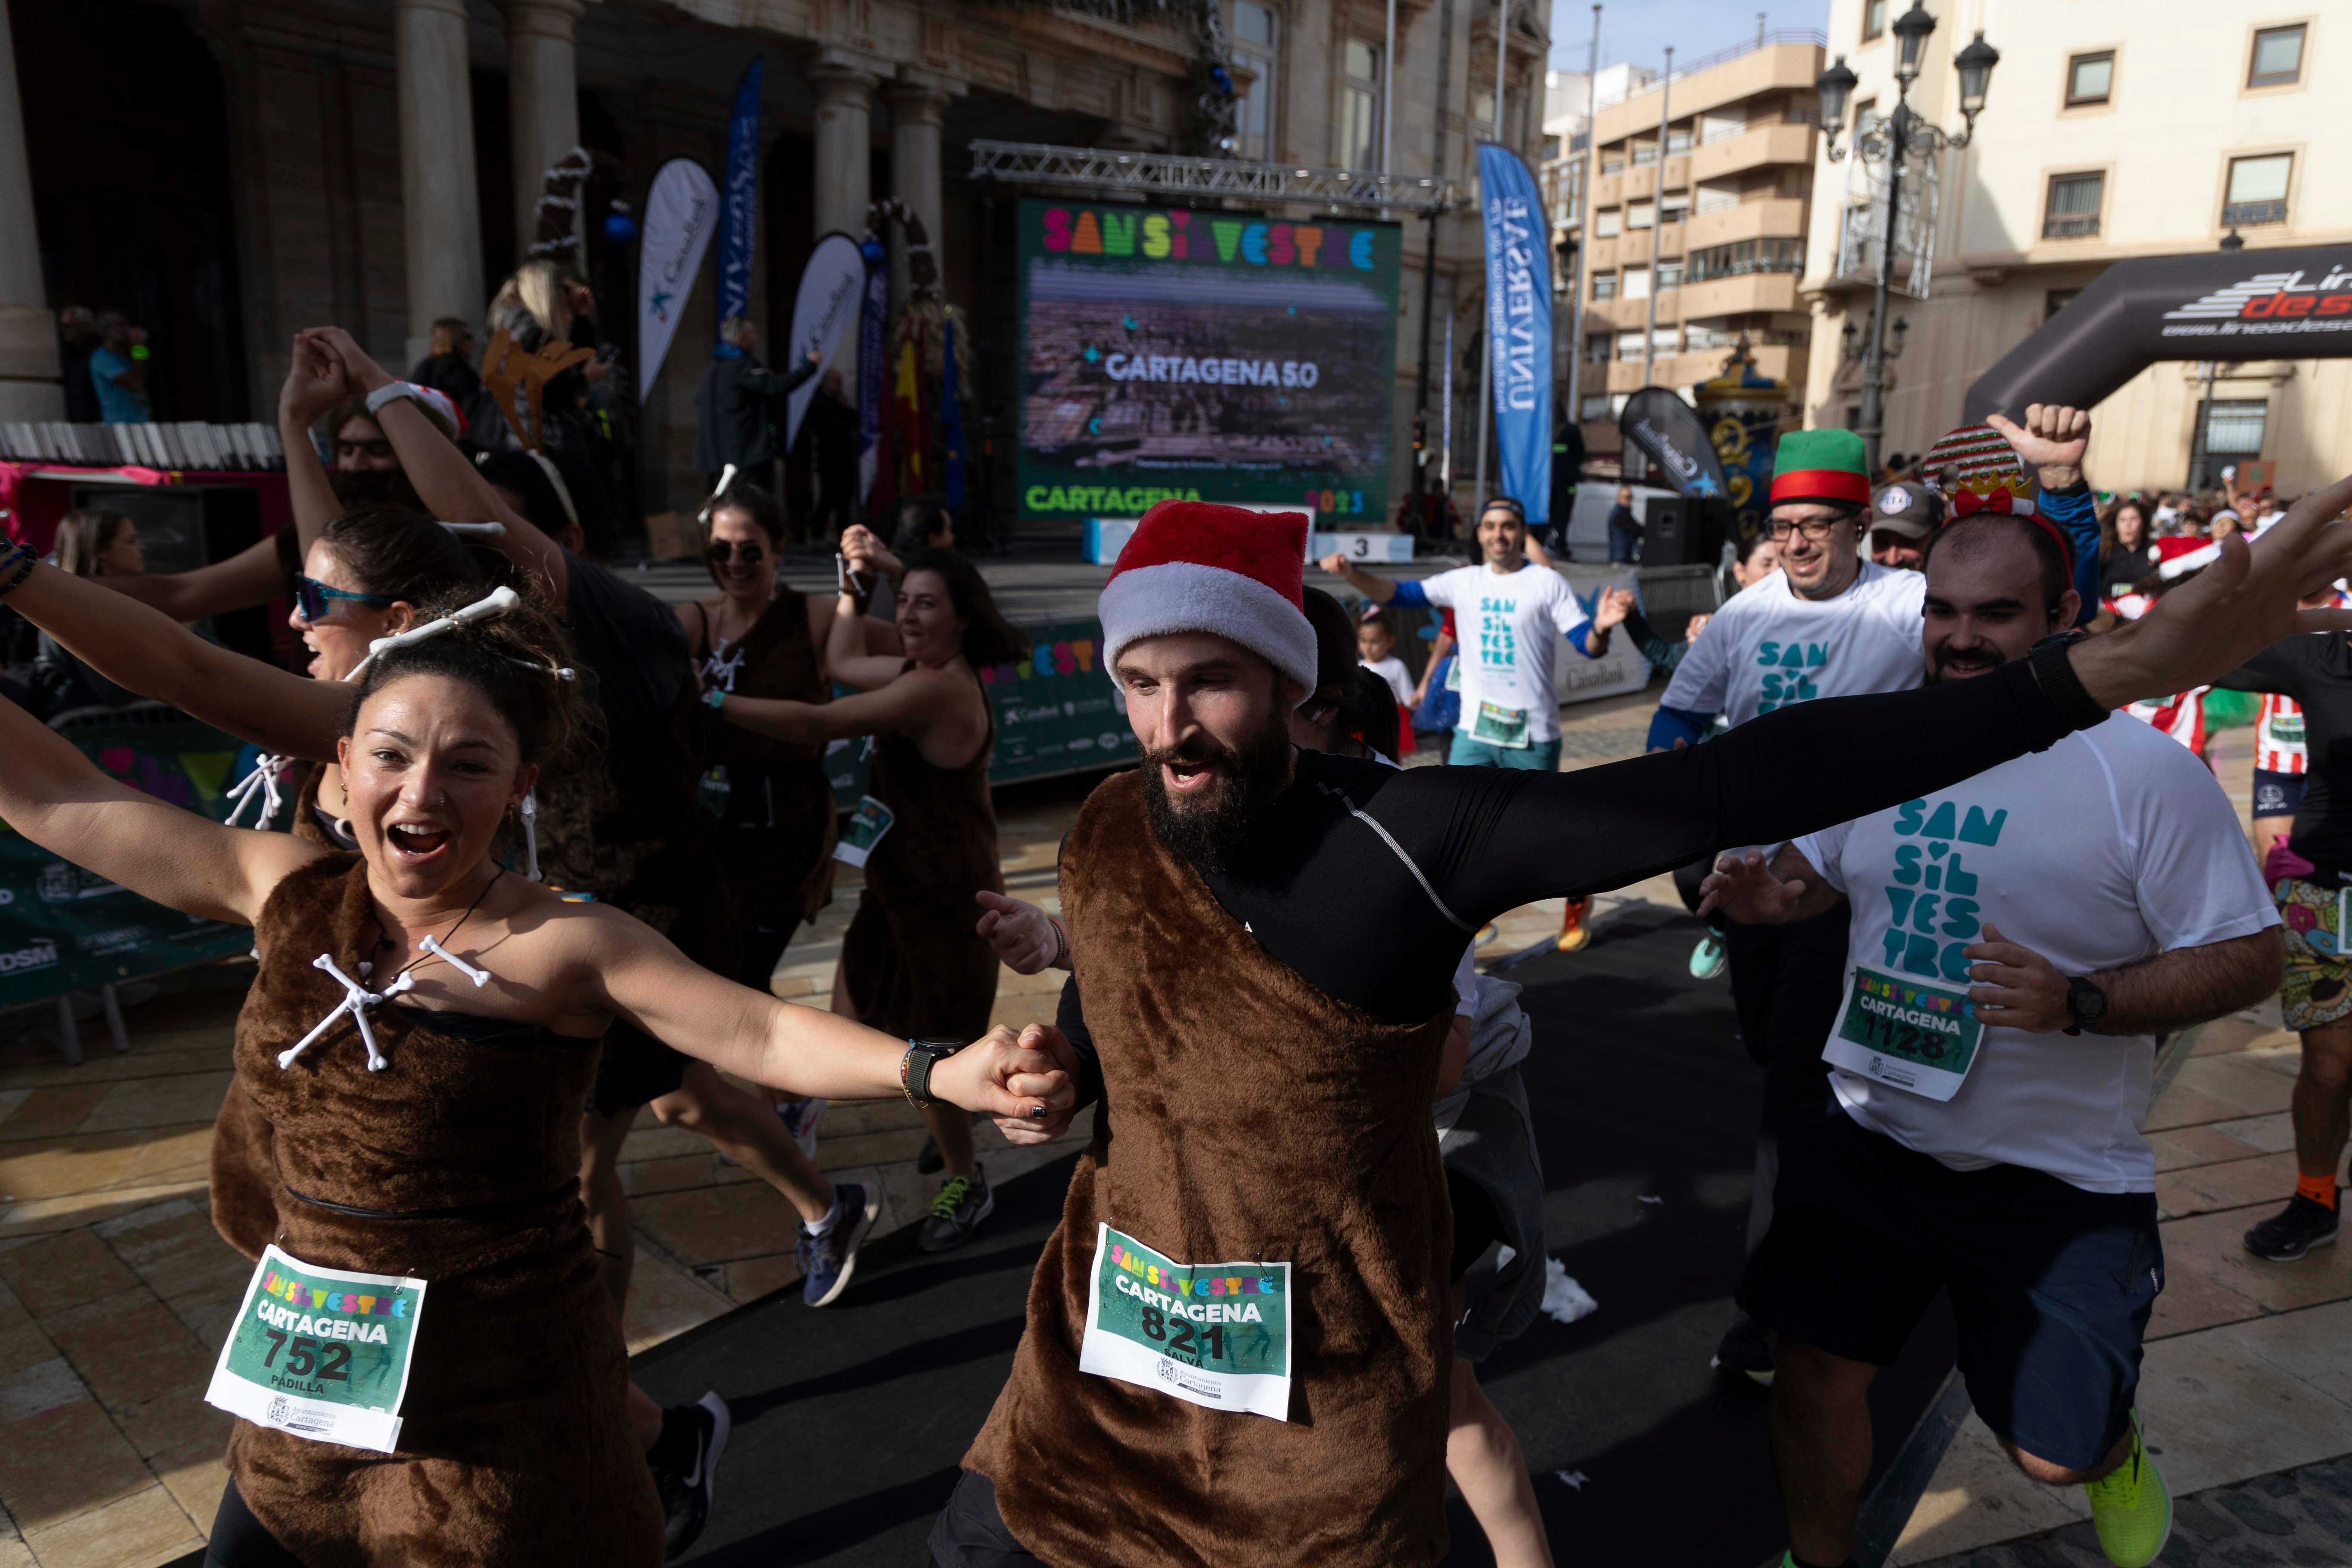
x=1510, y=626
x=1770, y=645
x=2112, y=847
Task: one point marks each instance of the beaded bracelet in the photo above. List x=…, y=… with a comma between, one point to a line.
x=24, y=561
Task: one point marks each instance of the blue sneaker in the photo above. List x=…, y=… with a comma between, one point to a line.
x=829, y=1257
x=800, y=1117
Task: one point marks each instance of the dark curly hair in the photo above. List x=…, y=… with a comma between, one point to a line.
x=988, y=637
x=514, y=659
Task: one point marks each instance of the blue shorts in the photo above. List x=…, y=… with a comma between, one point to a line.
x=2277, y=794
x=1536, y=757
x=2051, y=1286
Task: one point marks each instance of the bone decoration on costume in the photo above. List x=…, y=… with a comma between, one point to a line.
x=357, y=1000
x=260, y=785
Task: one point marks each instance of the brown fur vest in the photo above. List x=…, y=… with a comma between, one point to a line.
x=1245, y=1116
x=516, y=1448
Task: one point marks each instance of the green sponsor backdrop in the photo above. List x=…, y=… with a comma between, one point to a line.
x=65, y=928
x=1206, y=355
x=1055, y=714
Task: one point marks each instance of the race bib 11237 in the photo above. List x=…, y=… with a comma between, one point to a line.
x=1213, y=1334
x=1911, y=1036
x=321, y=1353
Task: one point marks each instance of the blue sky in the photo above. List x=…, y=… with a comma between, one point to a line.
x=1639, y=30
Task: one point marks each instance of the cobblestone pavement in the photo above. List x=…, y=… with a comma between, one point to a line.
x=2301, y=1517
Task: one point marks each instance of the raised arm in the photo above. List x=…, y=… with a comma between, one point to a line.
x=637, y=974
x=153, y=655
x=444, y=479
x=1379, y=590
x=847, y=658
x=315, y=383
x=51, y=795
x=251, y=577
x=906, y=705
x=2053, y=439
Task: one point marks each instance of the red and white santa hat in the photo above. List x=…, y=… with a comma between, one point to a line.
x=1194, y=566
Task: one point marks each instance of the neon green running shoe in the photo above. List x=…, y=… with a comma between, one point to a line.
x=2132, y=1507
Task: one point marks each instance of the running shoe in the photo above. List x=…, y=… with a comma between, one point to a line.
x=2293, y=1231
x=688, y=1479
x=1708, y=958
x=2131, y=1508
x=964, y=1202
x=1573, y=930
x=829, y=1256
x=929, y=1160
x=1745, y=1351
x=800, y=1117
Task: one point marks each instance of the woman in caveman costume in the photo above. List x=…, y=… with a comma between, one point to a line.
x=420, y=1039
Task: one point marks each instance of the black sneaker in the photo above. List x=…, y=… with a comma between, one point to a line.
x=685, y=1462
x=964, y=1202
x=929, y=1160
x=1744, y=1353
x=2293, y=1231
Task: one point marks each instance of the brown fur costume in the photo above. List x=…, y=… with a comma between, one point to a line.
x=516, y=1447
x=1245, y=1116
x=780, y=825
x=912, y=960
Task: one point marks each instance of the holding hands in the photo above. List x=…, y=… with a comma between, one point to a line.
x=315, y=383
x=1023, y=1082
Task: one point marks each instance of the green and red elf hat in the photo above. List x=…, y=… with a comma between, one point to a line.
x=1824, y=466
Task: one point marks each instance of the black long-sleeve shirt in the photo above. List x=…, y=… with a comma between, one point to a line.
x=2317, y=672
x=1369, y=882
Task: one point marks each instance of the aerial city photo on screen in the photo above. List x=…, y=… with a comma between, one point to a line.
x=1213, y=356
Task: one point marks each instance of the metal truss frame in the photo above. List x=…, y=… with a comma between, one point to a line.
x=1170, y=176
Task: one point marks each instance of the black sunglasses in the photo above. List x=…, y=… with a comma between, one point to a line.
x=748, y=551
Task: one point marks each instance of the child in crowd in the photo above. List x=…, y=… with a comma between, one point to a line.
x=1376, y=651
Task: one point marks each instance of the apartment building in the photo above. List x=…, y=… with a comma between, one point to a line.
x=2111, y=129
x=1701, y=194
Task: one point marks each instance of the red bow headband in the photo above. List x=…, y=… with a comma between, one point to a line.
x=1969, y=503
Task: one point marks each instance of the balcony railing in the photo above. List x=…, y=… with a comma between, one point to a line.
x=2246, y=214
x=2081, y=226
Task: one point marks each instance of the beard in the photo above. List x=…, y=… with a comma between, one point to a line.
x=1208, y=833
x=1959, y=664
x=358, y=490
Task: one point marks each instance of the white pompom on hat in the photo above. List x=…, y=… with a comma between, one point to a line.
x=1195, y=567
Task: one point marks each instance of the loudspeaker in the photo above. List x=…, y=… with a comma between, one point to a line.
x=183, y=527
x=1679, y=532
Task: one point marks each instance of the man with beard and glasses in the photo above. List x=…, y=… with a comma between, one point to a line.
x=2016, y=941
x=1832, y=624
x=1237, y=1346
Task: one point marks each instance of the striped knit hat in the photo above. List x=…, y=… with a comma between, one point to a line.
x=1979, y=471
x=1821, y=466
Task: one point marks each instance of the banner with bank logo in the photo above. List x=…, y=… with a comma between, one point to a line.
x=1057, y=711
x=681, y=214
x=1519, y=324
x=826, y=313
x=64, y=929
x=741, y=213
x=1204, y=356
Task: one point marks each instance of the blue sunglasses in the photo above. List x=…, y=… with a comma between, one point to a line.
x=316, y=602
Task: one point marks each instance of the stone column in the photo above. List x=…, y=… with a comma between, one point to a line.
x=918, y=100
x=543, y=99
x=29, y=388
x=439, y=218
x=844, y=140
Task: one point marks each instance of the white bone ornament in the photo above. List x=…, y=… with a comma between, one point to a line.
x=480, y=977
x=357, y=1000
x=260, y=785
x=529, y=812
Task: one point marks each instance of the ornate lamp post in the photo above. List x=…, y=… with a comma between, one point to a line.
x=1895, y=138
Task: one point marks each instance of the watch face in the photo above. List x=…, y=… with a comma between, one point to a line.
x=2087, y=1000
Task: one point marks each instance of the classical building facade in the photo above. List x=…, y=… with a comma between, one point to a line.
x=274, y=164
x=1700, y=199
x=2111, y=131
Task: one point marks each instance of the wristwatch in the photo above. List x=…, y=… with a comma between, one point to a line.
x=915, y=1068
x=2085, y=1002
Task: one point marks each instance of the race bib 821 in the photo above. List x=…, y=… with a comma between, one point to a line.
x=1213, y=1334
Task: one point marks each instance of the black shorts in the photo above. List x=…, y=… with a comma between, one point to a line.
x=635, y=1070
x=1476, y=1226
x=2051, y=1285
x=2277, y=794
x=970, y=1532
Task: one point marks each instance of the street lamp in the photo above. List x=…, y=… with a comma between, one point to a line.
x=1894, y=139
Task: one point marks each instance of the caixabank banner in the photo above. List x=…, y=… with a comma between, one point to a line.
x=1204, y=356
x=65, y=928
x=1057, y=711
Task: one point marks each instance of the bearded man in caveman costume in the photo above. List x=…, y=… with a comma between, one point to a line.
x=1238, y=1344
